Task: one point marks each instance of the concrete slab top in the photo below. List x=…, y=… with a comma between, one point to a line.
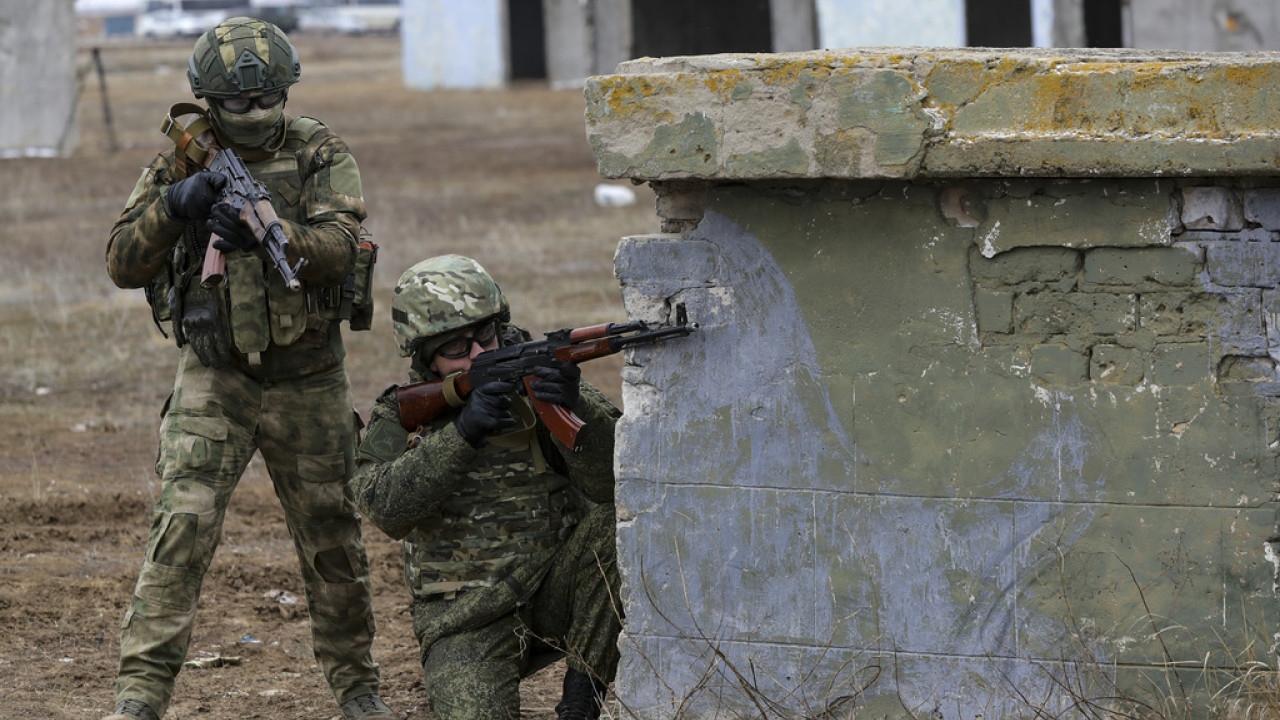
x=937, y=112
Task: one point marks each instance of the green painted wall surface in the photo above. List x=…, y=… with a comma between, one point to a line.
x=898, y=444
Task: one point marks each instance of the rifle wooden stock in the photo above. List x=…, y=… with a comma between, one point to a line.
x=215, y=264
x=422, y=402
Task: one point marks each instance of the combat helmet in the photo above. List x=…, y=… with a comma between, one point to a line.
x=440, y=295
x=242, y=56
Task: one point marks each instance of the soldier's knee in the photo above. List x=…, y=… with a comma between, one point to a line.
x=177, y=542
x=342, y=589
x=171, y=576
x=334, y=566
x=599, y=536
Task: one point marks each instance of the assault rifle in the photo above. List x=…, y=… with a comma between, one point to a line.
x=250, y=198
x=423, y=401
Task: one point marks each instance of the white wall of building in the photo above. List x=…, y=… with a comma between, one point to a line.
x=866, y=23
x=454, y=44
x=37, y=77
x=1200, y=26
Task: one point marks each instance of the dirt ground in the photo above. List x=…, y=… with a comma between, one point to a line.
x=504, y=176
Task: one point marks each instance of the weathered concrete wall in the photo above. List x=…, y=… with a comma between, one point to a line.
x=37, y=78
x=982, y=413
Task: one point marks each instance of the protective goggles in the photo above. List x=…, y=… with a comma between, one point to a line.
x=460, y=347
x=241, y=105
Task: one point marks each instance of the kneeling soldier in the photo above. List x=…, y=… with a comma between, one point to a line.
x=508, y=535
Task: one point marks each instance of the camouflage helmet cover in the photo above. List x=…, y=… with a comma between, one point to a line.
x=242, y=56
x=440, y=295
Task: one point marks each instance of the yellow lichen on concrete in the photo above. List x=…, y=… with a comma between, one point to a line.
x=983, y=111
x=788, y=73
x=722, y=82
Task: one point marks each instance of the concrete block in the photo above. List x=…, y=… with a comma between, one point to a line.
x=1141, y=267
x=1243, y=264
x=1081, y=315
x=1181, y=364
x=1074, y=217
x=1262, y=206
x=1236, y=323
x=1212, y=208
x=994, y=310
x=1059, y=365
x=1024, y=265
x=1116, y=365
x=1173, y=314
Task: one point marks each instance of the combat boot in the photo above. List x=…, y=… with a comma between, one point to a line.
x=132, y=710
x=583, y=696
x=367, y=707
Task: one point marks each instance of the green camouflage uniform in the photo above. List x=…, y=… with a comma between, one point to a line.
x=284, y=393
x=508, y=557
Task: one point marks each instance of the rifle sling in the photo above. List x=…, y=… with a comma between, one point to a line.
x=525, y=434
x=451, y=395
x=186, y=137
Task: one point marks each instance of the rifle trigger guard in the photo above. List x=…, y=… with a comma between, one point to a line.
x=451, y=393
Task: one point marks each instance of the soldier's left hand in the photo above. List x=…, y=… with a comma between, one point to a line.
x=232, y=233
x=557, y=383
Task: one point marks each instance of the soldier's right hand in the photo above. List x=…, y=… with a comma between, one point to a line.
x=192, y=197
x=488, y=411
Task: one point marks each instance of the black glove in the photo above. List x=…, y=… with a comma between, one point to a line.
x=191, y=197
x=487, y=412
x=557, y=383
x=233, y=234
x=200, y=326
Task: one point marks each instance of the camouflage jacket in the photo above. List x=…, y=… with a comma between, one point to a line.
x=481, y=520
x=316, y=191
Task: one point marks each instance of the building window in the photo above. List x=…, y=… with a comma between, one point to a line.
x=1103, y=23
x=998, y=23
x=662, y=28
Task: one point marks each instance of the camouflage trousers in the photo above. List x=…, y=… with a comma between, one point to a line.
x=474, y=673
x=213, y=424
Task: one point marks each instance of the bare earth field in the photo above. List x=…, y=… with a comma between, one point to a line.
x=503, y=176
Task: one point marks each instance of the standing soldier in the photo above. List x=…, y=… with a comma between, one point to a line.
x=510, y=561
x=260, y=369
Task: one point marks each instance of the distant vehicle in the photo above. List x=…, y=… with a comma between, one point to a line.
x=350, y=17
x=176, y=23
x=330, y=20
x=184, y=18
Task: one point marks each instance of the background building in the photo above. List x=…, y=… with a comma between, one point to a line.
x=38, y=86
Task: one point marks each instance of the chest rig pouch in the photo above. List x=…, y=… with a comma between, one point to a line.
x=263, y=310
x=509, y=512
x=252, y=309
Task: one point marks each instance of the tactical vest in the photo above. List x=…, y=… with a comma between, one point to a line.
x=259, y=316
x=511, y=511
